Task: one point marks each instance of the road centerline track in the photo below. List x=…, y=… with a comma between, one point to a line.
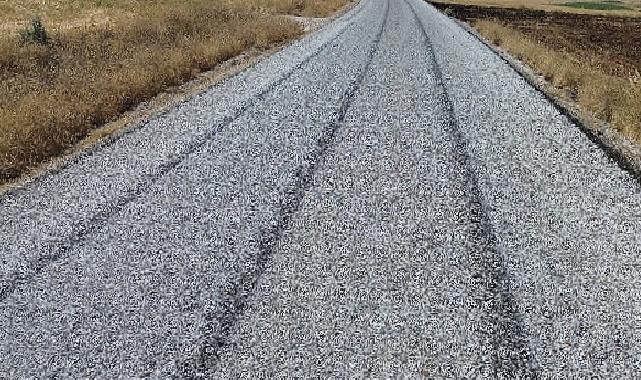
x=512, y=356
x=25, y=272
x=238, y=296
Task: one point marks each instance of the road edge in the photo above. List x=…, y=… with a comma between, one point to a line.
x=156, y=107
x=613, y=143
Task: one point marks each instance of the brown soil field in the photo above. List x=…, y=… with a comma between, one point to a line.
x=632, y=8
x=610, y=42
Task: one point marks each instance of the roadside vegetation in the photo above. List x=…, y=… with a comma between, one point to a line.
x=89, y=61
x=589, y=60
x=304, y=8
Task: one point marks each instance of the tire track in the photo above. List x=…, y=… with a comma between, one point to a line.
x=510, y=353
x=24, y=274
x=220, y=325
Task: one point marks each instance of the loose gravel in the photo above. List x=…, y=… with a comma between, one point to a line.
x=568, y=218
x=383, y=198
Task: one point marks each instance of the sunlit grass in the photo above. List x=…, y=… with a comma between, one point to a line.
x=53, y=93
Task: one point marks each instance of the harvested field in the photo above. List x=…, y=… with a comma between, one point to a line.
x=627, y=8
x=614, y=43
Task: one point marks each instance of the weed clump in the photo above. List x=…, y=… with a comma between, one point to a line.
x=34, y=33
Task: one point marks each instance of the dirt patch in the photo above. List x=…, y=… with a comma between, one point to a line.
x=309, y=24
x=612, y=43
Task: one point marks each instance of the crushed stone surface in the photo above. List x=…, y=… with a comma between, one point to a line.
x=383, y=198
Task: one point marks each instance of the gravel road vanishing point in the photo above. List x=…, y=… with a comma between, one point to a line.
x=384, y=198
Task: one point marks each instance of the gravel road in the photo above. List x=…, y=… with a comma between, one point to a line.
x=383, y=198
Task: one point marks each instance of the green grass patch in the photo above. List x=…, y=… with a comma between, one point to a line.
x=608, y=5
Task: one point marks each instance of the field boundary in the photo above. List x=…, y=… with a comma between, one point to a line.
x=156, y=107
x=625, y=153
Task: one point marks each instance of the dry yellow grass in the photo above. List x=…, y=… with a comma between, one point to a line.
x=52, y=95
x=614, y=99
x=86, y=12
x=305, y=8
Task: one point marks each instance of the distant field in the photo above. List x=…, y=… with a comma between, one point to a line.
x=84, y=62
x=593, y=60
x=606, y=7
x=611, y=5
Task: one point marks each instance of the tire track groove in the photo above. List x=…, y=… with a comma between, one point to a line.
x=510, y=355
x=23, y=275
x=219, y=326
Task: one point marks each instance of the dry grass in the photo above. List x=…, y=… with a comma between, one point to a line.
x=614, y=99
x=305, y=8
x=52, y=95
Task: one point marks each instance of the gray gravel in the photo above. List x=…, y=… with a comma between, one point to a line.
x=384, y=198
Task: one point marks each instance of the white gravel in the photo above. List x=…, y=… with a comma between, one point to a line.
x=384, y=198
